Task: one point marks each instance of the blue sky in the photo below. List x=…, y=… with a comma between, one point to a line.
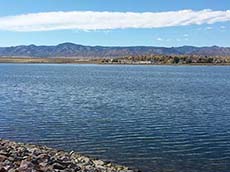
x=199, y=35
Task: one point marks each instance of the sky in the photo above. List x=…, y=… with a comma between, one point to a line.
x=167, y=23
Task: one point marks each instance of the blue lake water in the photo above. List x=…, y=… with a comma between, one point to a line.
x=156, y=118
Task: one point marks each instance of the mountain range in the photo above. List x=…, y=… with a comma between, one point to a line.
x=81, y=51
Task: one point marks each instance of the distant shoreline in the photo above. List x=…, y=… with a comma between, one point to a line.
x=25, y=60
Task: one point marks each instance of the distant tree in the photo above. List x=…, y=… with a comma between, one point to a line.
x=210, y=60
x=188, y=60
x=115, y=60
x=176, y=59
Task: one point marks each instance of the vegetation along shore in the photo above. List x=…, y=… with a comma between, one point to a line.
x=140, y=59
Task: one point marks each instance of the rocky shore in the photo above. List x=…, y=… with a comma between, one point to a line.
x=20, y=157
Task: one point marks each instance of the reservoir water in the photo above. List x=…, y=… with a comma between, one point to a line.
x=156, y=118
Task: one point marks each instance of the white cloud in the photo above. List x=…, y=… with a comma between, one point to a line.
x=208, y=28
x=91, y=20
x=222, y=27
x=159, y=39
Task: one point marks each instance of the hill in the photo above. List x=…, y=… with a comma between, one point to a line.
x=81, y=51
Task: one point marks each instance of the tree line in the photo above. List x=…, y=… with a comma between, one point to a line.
x=170, y=59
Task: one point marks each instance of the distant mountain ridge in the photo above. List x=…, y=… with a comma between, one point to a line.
x=81, y=51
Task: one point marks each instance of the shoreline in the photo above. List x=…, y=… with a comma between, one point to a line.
x=22, y=157
x=27, y=60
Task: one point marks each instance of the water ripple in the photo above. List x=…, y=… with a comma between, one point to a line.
x=152, y=117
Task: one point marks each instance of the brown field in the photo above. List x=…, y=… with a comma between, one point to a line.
x=46, y=60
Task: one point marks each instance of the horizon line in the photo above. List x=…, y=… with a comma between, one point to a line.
x=110, y=46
